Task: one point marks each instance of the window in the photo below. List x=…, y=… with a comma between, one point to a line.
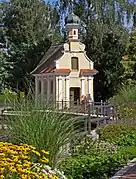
x=74, y=63
x=74, y=32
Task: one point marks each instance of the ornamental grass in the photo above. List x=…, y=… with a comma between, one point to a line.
x=18, y=162
x=44, y=127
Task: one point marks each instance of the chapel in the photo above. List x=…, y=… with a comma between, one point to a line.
x=66, y=73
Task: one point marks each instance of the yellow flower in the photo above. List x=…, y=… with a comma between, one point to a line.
x=37, y=153
x=16, y=159
x=45, y=152
x=44, y=160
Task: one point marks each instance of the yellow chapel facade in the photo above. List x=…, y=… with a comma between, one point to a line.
x=65, y=73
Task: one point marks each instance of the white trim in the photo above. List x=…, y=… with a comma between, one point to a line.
x=90, y=87
x=47, y=75
x=44, y=75
x=57, y=62
x=91, y=64
x=83, y=86
x=60, y=91
x=67, y=91
x=87, y=57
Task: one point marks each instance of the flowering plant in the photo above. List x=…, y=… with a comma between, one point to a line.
x=18, y=161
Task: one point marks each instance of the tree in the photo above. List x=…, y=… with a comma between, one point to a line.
x=105, y=38
x=106, y=52
x=131, y=50
x=29, y=33
x=2, y=47
x=129, y=60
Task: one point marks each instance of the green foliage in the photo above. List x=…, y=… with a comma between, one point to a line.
x=107, y=57
x=29, y=29
x=128, y=139
x=7, y=96
x=131, y=50
x=96, y=165
x=130, y=63
x=112, y=131
x=1, y=71
x=43, y=129
x=126, y=94
x=83, y=145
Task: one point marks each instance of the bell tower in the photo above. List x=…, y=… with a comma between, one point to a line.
x=72, y=26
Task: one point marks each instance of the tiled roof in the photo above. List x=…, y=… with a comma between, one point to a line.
x=51, y=70
x=88, y=71
x=63, y=70
x=52, y=51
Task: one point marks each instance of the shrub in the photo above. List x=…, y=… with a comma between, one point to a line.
x=96, y=165
x=128, y=139
x=112, y=131
x=47, y=128
x=85, y=145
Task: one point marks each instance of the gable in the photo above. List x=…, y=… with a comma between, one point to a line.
x=83, y=61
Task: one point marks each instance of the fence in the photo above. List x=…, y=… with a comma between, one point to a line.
x=96, y=113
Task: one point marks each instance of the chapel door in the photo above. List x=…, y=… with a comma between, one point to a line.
x=74, y=95
x=71, y=94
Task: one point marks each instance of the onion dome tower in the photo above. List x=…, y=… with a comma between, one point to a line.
x=73, y=25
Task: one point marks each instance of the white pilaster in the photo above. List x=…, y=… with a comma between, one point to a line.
x=82, y=86
x=60, y=91
x=91, y=65
x=90, y=87
x=57, y=64
x=67, y=91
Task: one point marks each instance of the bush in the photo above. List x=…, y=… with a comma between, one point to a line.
x=112, y=131
x=47, y=129
x=128, y=139
x=96, y=165
x=85, y=145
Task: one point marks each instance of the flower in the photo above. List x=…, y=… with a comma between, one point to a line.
x=16, y=160
x=45, y=152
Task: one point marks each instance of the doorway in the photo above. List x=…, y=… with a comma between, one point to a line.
x=74, y=95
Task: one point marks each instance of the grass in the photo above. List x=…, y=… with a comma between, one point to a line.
x=52, y=131
x=125, y=94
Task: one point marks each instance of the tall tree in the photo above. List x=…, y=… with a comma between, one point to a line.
x=2, y=47
x=131, y=50
x=30, y=28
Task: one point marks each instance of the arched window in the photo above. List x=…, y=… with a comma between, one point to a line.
x=74, y=32
x=74, y=63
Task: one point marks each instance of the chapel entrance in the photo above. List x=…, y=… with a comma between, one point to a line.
x=74, y=95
